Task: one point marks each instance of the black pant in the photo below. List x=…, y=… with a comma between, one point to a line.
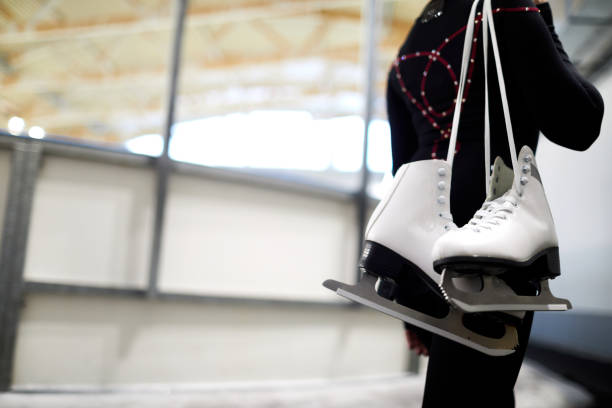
x=459, y=376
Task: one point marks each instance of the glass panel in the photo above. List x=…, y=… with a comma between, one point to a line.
x=274, y=87
x=91, y=224
x=90, y=71
x=227, y=239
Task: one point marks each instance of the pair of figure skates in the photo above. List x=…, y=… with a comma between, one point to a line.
x=511, y=238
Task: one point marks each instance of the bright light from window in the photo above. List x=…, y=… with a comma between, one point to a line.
x=150, y=145
x=36, y=132
x=292, y=140
x=271, y=140
x=344, y=138
x=378, y=190
x=16, y=125
x=379, y=146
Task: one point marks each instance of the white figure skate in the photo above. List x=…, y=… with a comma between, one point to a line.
x=512, y=238
x=399, y=239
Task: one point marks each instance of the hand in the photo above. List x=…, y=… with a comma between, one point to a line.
x=415, y=344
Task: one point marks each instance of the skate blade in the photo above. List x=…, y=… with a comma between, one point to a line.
x=451, y=326
x=496, y=295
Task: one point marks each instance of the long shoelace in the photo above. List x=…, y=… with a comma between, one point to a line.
x=492, y=212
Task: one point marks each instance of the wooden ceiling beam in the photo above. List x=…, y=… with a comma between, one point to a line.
x=142, y=87
x=41, y=13
x=89, y=114
x=338, y=54
x=134, y=26
x=278, y=40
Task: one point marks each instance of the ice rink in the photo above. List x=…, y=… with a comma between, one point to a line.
x=536, y=388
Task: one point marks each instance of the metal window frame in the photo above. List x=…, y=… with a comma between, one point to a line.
x=24, y=169
x=26, y=157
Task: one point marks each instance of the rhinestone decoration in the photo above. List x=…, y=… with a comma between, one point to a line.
x=434, y=56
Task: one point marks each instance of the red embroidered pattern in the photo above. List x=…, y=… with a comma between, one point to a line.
x=428, y=111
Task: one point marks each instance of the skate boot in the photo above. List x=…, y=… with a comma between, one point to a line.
x=509, y=241
x=399, y=237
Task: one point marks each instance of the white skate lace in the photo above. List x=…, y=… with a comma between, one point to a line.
x=493, y=212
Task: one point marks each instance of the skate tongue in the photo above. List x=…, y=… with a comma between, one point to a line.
x=501, y=179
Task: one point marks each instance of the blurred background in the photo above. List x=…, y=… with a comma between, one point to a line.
x=177, y=178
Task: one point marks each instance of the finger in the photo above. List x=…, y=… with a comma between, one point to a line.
x=424, y=351
x=414, y=341
x=419, y=350
x=412, y=345
x=409, y=338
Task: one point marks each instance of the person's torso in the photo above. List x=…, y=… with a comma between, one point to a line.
x=426, y=73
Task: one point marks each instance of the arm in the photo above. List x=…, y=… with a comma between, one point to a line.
x=566, y=107
x=403, y=135
x=546, y=13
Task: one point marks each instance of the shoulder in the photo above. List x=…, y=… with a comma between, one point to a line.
x=509, y=4
x=521, y=15
x=514, y=7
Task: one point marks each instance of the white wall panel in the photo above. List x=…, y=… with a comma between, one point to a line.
x=579, y=189
x=91, y=223
x=100, y=341
x=235, y=239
